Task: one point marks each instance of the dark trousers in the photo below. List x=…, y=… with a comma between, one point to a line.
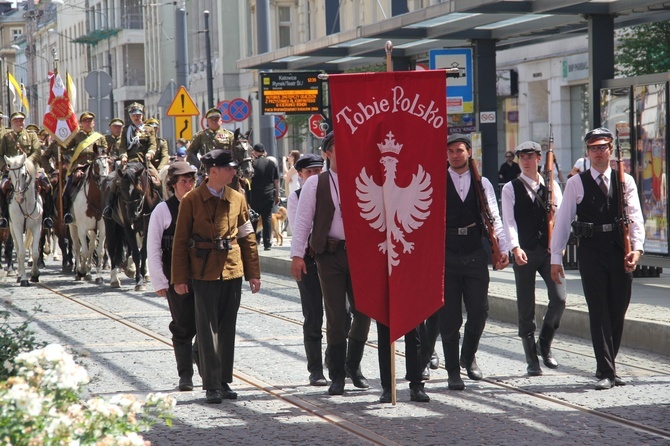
x=413, y=366
x=264, y=208
x=311, y=300
x=216, y=306
x=539, y=261
x=607, y=288
x=466, y=279
x=182, y=310
x=337, y=292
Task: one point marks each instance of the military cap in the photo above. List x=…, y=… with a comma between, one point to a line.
x=218, y=158
x=152, y=122
x=86, y=115
x=460, y=137
x=213, y=113
x=116, y=121
x=181, y=152
x=17, y=115
x=135, y=109
x=597, y=134
x=43, y=132
x=308, y=160
x=180, y=168
x=33, y=128
x=527, y=147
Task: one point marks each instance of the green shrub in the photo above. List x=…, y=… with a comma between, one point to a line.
x=15, y=339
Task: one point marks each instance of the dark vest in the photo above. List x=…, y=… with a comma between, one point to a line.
x=168, y=234
x=461, y=214
x=530, y=216
x=600, y=210
x=323, y=215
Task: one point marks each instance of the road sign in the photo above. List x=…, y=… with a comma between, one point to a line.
x=182, y=104
x=184, y=127
x=98, y=84
x=291, y=93
x=168, y=94
x=223, y=107
x=315, y=126
x=239, y=109
x=281, y=127
x=460, y=90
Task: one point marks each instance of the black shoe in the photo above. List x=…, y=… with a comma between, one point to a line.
x=357, y=379
x=3, y=223
x=474, y=372
x=227, y=393
x=534, y=369
x=425, y=375
x=434, y=361
x=48, y=223
x=386, y=396
x=213, y=396
x=547, y=356
x=185, y=384
x=417, y=393
x=604, y=384
x=617, y=381
x=336, y=387
x=267, y=248
x=454, y=381
x=68, y=219
x=317, y=379
x=107, y=213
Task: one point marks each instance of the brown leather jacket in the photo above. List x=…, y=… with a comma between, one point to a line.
x=207, y=217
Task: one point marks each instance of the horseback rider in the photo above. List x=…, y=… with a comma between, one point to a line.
x=214, y=137
x=138, y=143
x=14, y=142
x=43, y=183
x=85, y=147
x=162, y=157
x=114, y=137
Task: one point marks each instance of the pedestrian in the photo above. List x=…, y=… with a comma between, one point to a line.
x=264, y=191
x=311, y=297
x=606, y=270
x=291, y=177
x=160, y=235
x=212, y=138
x=319, y=213
x=581, y=165
x=466, y=275
x=214, y=248
x=524, y=212
x=509, y=169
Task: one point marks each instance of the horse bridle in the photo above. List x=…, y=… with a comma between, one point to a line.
x=20, y=191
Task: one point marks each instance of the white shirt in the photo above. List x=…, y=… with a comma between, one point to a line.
x=158, y=222
x=574, y=194
x=462, y=184
x=582, y=164
x=292, y=207
x=304, y=215
x=509, y=199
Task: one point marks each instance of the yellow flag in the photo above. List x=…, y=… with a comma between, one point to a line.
x=72, y=91
x=17, y=90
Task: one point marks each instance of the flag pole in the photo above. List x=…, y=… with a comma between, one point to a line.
x=60, y=157
x=9, y=100
x=388, y=48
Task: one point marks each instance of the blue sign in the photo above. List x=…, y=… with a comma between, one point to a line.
x=281, y=127
x=460, y=91
x=238, y=109
x=223, y=107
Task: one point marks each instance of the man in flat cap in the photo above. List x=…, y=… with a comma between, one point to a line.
x=162, y=156
x=160, y=235
x=14, y=142
x=214, y=247
x=114, y=137
x=84, y=148
x=525, y=208
x=214, y=137
x=605, y=267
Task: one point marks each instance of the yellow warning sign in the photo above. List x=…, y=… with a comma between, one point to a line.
x=183, y=104
x=184, y=127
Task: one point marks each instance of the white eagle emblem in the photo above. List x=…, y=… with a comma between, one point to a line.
x=391, y=209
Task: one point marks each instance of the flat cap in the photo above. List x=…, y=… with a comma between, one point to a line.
x=528, y=146
x=180, y=168
x=17, y=115
x=135, y=109
x=86, y=115
x=116, y=121
x=308, y=161
x=460, y=137
x=599, y=133
x=328, y=141
x=213, y=113
x=218, y=158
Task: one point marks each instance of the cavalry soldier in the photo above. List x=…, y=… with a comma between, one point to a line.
x=138, y=143
x=162, y=157
x=114, y=137
x=85, y=147
x=215, y=137
x=14, y=142
x=33, y=129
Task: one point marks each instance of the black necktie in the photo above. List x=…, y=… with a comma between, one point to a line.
x=603, y=186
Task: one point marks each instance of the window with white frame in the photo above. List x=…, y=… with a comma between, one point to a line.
x=16, y=33
x=284, y=19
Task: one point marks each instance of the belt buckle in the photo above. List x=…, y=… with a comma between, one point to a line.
x=607, y=227
x=462, y=231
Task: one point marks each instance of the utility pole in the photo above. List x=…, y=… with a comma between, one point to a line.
x=267, y=132
x=208, y=55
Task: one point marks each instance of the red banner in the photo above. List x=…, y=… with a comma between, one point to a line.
x=391, y=138
x=59, y=119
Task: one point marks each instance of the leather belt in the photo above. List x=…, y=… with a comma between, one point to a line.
x=333, y=245
x=468, y=230
x=609, y=227
x=209, y=245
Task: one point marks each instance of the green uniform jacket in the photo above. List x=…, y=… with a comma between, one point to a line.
x=195, y=218
x=89, y=153
x=113, y=144
x=147, y=143
x=208, y=140
x=14, y=144
x=162, y=158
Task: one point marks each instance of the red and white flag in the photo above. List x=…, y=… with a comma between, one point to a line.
x=59, y=119
x=391, y=137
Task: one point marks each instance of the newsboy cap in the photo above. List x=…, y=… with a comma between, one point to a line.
x=527, y=147
x=459, y=137
x=308, y=161
x=218, y=158
x=599, y=133
x=328, y=141
x=180, y=168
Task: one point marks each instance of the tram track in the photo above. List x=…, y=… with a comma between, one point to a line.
x=339, y=421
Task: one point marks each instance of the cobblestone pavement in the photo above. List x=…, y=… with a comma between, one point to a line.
x=276, y=407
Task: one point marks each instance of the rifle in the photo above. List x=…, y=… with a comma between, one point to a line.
x=549, y=184
x=624, y=217
x=487, y=216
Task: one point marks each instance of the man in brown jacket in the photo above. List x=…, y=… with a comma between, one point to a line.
x=215, y=246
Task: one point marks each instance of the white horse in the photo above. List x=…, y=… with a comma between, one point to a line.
x=88, y=224
x=25, y=213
